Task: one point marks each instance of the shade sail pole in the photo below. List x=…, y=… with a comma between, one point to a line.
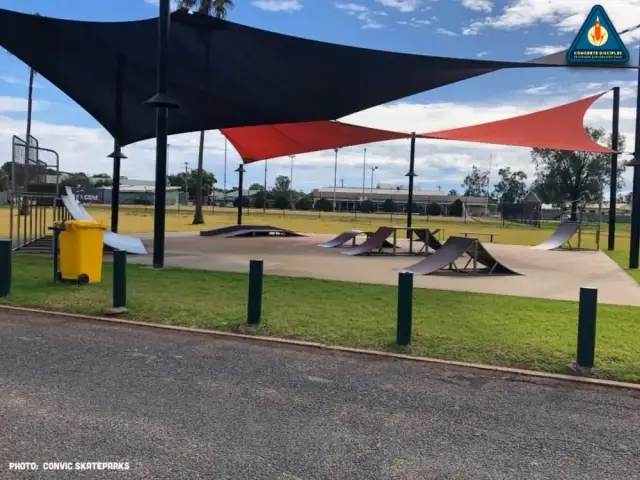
x=635, y=193
x=335, y=177
x=613, y=192
x=162, y=102
x=117, y=154
x=411, y=174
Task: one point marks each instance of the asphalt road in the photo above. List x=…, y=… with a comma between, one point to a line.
x=188, y=406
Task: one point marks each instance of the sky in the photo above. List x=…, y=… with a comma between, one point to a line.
x=488, y=29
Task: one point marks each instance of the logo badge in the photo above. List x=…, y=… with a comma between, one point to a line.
x=597, y=41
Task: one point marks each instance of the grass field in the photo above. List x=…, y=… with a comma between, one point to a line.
x=140, y=220
x=500, y=330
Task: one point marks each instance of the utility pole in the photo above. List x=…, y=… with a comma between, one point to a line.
x=224, y=194
x=335, y=178
x=186, y=182
x=364, y=171
x=291, y=183
x=264, y=200
x=373, y=169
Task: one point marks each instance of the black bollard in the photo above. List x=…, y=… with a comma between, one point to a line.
x=405, y=308
x=119, y=279
x=254, y=311
x=56, y=253
x=587, y=327
x=5, y=267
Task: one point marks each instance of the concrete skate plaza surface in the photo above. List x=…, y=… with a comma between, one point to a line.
x=545, y=274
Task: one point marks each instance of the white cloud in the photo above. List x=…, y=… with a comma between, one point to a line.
x=364, y=14
x=414, y=22
x=478, y=5
x=401, y=5
x=482, y=54
x=19, y=81
x=545, y=49
x=278, y=5
x=16, y=104
x=538, y=90
x=444, y=31
x=564, y=15
x=352, y=7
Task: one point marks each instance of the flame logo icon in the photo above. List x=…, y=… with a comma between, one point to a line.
x=597, y=34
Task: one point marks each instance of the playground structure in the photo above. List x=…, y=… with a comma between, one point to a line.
x=34, y=196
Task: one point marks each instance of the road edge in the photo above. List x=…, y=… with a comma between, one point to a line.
x=361, y=351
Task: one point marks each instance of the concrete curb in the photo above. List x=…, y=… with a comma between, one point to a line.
x=361, y=351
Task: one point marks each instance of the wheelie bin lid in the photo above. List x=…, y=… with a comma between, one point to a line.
x=69, y=224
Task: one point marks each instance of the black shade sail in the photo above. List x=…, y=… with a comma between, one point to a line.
x=222, y=74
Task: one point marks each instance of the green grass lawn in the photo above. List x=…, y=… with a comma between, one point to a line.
x=500, y=330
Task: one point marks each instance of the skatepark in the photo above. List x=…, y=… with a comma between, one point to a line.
x=549, y=274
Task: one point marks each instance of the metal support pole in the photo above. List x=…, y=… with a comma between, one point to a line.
x=5, y=267
x=56, y=252
x=405, y=308
x=335, y=178
x=291, y=183
x=364, y=173
x=587, y=327
x=162, y=102
x=254, y=309
x=119, y=280
x=635, y=206
x=264, y=201
x=613, y=192
x=240, y=171
x=411, y=174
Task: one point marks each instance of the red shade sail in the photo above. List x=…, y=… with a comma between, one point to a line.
x=263, y=142
x=557, y=128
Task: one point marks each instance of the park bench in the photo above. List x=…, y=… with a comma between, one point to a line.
x=489, y=234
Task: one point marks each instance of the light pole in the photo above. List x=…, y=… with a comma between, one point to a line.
x=373, y=169
x=635, y=200
x=335, y=178
x=364, y=170
x=264, y=199
x=224, y=193
x=291, y=183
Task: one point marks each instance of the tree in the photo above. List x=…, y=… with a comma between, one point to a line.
x=282, y=184
x=434, y=209
x=475, y=184
x=256, y=187
x=259, y=199
x=457, y=208
x=414, y=208
x=453, y=193
x=574, y=177
x=246, y=202
x=4, y=181
x=511, y=187
x=324, y=205
x=191, y=180
x=366, y=206
x=389, y=206
x=305, y=203
x=218, y=9
x=77, y=179
x=282, y=202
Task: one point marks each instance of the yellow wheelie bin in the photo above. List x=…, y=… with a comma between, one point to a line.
x=81, y=247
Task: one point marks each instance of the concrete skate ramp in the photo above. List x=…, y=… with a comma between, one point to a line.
x=452, y=250
x=561, y=236
x=113, y=240
x=350, y=235
x=231, y=231
x=377, y=241
x=429, y=238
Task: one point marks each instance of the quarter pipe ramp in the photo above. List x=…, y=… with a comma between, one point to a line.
x=350, y=235
x=453, y=249
x=375, y=242
x=561, y=236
